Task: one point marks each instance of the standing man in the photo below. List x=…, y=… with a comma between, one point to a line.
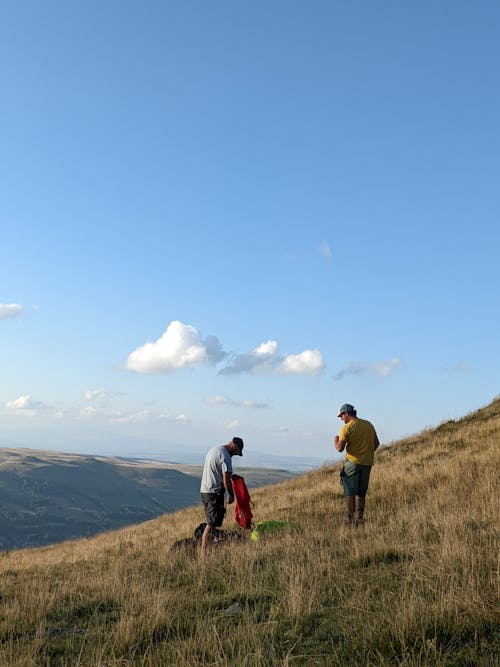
x=215, y=482
x=359, y=438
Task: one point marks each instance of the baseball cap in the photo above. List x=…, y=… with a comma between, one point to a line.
x=346, y=407
x=239, y=443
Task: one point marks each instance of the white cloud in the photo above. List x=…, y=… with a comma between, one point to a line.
x=130, y=417
x=229, y=426
x=142, y=416
x=265, y=359
x=10, y=310
x=95, y=394
x=26, y=406
x=324, y=249
x=380, y=369
x=181, y=345
x=19, y=403
x=246, y=403
x=99, y=399
x=308, y=362
x=385, y=368
x=88, y=411
x=266, y=350
x=218, y=400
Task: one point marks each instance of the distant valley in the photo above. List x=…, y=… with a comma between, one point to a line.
x=48, y=497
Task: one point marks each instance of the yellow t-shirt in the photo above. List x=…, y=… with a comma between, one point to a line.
x=359, y=436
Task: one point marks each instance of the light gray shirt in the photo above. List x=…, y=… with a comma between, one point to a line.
x=217, y=462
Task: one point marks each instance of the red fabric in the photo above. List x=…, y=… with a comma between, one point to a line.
x=242, y=511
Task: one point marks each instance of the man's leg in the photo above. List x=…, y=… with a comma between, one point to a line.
x=364, y=479
x=360, y=504
x=206, y=534
x=214, y=513
x=350, y=504
x=209, y=505
x=350, y=482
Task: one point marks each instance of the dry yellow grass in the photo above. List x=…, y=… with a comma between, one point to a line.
x=417, y=585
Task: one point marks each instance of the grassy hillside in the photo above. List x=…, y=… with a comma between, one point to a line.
x=417, y=585
x=48, y=497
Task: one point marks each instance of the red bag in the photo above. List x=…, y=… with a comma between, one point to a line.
x=242, y=511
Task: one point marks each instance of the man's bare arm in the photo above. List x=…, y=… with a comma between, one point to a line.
x=228, y=485
x=339, y=444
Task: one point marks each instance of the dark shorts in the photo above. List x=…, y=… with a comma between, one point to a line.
x=355, y=479
x=215, y=511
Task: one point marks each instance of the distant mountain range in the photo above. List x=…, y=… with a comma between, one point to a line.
x=109, y=444
x=52, y=496
x=251, y=458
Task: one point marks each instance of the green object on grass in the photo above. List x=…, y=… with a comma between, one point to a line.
x=266, y=527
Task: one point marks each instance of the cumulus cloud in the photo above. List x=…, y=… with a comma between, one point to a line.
x=10, y=310
x=89, y=411
x=324, y=250
x=98, y=399
x=96, y=405
x=20, y=403
x=308, y=362
x=95, y=394
x=25, y=405
x=265, y=359
x=130, y=417
x=385, y=368
x=380, y=369
x=218, y=400
x=246, y=403
x=180, y=346
x=141, y=416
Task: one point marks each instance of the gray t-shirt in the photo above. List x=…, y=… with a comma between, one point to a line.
x=217, y=461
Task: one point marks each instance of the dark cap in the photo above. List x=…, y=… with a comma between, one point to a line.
x=239, y=443
x=346, y=407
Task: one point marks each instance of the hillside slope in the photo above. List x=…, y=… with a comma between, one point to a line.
x=417, y=585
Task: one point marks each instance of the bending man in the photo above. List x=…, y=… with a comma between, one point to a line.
x=359, y=438
x=215, y=482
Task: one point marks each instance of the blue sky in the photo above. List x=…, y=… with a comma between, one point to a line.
x=227, y=219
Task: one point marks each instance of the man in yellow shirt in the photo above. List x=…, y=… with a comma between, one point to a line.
x=359, y=438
